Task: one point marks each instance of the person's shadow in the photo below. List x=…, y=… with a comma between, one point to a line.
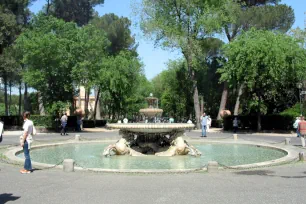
x=5, y=197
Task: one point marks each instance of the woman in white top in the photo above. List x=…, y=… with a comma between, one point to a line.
x=25, y=142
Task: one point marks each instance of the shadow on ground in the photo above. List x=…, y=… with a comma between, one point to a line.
x=6, y=197
x=267, y=173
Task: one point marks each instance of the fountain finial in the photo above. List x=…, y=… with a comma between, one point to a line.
x=151, y=95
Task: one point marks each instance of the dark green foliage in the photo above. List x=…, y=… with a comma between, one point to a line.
x=295, y=110
x=209, y=87
x=11, y=121
x=43, y=121
x=174, y=90
x=46, y=49
x=78, y=11
x=118, y=32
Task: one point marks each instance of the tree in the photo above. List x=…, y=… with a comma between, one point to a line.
x=263, y=61
x=90, y=51
x=80, y=11
x=118, y=32
x=8, y=34
x=119, y=76
x=46, y=49
x=181, y=24
x=14, y=16
x=246, y=14
x=136, y=100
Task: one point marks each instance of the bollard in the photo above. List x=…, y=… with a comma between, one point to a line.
x=212, y=167
x=68, y=165
x=301, y=156
x=235, y=136
x=77, y=137
x=303, y=141
x=287, y=141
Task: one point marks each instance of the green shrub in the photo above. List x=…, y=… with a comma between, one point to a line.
x=294, y=111
x=46, y=121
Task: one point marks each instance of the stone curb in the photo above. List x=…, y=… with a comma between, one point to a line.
x=292, y=155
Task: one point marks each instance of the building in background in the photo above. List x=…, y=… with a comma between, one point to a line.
x=80, y=103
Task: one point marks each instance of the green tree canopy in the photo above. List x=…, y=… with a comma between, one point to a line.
x=118, y=32
x=263, y=61
x=183, y=24
x=80, y=11
x=46, y=49
x=120, y=76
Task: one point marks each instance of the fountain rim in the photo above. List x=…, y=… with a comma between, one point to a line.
x=150, y=126
x=292, y=155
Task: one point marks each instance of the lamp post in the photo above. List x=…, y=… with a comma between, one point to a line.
x=299, y=86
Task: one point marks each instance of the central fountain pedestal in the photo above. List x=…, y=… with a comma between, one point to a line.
x=160, y=139
x=151, y=139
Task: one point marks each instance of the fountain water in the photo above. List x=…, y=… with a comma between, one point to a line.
x=161, y=139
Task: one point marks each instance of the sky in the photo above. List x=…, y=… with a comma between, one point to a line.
x=155, y=58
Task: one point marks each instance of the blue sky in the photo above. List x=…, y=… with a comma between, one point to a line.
x=155, y=59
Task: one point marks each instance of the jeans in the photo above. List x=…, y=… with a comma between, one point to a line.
x=298, y=132
x=63, y=130
x=27, y=162
x=235, y=128
x=203, y=130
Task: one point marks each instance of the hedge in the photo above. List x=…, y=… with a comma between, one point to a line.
x=46, y=121
x=49, y=121
x=11, y=120
x=268, y=122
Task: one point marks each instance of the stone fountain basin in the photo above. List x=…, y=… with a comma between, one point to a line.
x=151, y=127
x=151, y=112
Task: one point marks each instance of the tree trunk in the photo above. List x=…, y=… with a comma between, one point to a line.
x=20, y=96
x=5, y=92
x=223, y=100
x=79, y=99
x=87, y=93
x=188, y=55
x=48, y=7
x=196, y=104
x=97, y=114
x=10, y=103
x=41, y=104
x=240, y=91
x=259, y=115
x=202, y=105
x=25, y=98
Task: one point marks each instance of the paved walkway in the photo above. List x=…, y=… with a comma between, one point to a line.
x=273, y=185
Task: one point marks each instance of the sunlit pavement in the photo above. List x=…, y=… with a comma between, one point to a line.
x=280, y=184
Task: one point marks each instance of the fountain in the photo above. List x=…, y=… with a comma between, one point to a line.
x=160, y=139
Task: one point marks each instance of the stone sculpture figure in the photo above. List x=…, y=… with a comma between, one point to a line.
x=121, y=147
x=179, y=147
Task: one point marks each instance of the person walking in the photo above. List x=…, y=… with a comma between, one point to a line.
x=208, y=123
x=235, y=124
x=295, y=126
x=25, y=142
x=204, y=124
x=302, y=127
x=64, y=120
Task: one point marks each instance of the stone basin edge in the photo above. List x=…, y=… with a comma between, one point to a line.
x=292, y=155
